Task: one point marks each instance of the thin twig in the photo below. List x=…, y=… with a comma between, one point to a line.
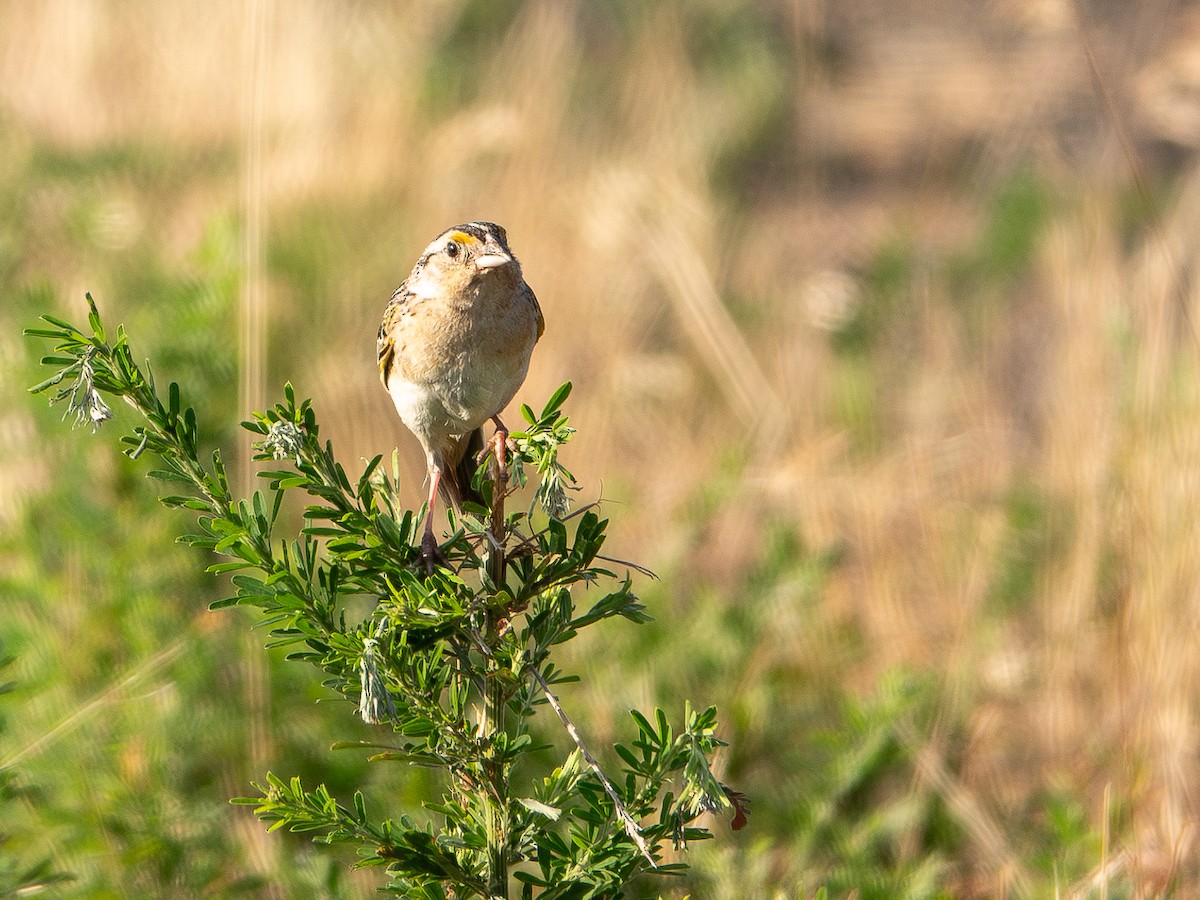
x=104, y=698
x=529, y=541
x=641, y=570
x=631, y=827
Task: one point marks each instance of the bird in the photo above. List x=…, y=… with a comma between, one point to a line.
x=454, y=348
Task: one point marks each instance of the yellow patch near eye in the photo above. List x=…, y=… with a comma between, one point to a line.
x=463, y=238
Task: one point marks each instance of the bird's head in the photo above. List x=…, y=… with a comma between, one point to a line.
x=467, y=255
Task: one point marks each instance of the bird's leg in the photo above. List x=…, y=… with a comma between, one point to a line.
x=498, y=445
x=431, y=553
x=500, y=438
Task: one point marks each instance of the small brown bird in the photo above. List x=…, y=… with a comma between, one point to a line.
x=454, y=347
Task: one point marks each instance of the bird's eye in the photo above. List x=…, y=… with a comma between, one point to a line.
x=452, y=249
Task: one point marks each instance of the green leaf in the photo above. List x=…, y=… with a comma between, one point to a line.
x=94, y=319
x=48, y=383
x=644, y=726
x=360, y=745
x=556, y=400
x=64, y=325
x=169, y=475
x=664, y=727
x=550, y=812
x=58, y=360
x=41, y=332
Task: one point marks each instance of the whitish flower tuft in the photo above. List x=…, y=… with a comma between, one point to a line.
x=375, y=703
x=283, y=440
x=553, y=495
x=82, y=397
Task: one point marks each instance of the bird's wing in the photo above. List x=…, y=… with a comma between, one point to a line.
x=385, y=346
x=541, y=320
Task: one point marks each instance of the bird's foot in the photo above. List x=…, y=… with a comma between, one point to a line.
x=431, y=554
x=499, y=445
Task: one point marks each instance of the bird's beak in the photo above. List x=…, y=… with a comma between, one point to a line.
x=492, y=260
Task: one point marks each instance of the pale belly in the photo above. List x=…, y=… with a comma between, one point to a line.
x=469, y=395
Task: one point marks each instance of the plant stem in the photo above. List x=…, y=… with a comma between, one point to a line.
x=494, y=699
x=627, y=821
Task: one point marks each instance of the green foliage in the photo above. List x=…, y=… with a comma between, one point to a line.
x=742, y=53
x=452, y=77
x=1017, y=214
x=1035, y=535
x=886, y=298
x=18, y=875
x=456, y=662
x=858, y=833
x=839, y=799
x=136, y=707
x=22, y=870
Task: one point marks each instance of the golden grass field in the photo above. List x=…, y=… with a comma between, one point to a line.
x=907, y=287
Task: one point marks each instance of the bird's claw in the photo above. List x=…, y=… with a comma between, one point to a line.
x=500, y=445
x=431, y=554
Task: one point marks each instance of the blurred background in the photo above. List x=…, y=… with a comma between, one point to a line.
x=882, y=324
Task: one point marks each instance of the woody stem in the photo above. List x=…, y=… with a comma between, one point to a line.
x=494, y=696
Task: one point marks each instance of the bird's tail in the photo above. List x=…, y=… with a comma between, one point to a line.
x=455, y=485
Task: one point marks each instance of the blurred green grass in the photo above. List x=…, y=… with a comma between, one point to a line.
x=940, y=585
